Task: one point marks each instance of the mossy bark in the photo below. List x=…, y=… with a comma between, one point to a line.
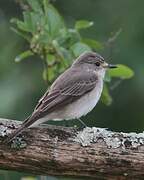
x=93, y=152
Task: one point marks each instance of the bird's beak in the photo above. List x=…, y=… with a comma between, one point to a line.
x=112, y=66
x=106, y=65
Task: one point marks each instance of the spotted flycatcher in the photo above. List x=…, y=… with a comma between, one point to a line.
x=72, y=95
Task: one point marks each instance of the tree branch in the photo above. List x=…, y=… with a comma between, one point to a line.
x=93, y=152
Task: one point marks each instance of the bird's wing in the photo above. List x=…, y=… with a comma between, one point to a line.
x=65, y=96
x=67, y=92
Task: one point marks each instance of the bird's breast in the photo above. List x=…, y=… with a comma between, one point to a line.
x=85, y=104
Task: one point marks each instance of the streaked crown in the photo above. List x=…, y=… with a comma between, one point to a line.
x=89, y=58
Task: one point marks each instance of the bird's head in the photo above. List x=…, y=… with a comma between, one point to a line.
x=93, y=61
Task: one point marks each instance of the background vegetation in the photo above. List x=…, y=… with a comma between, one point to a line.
x=22, y=84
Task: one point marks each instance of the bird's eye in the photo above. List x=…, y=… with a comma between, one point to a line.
x=97, y=64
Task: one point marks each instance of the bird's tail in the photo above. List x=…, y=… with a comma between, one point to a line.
x=27, y=122
x=14, y=134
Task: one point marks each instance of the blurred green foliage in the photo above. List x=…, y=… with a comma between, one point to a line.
x=57, y=45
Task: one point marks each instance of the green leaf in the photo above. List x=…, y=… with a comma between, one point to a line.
x=66, y=54
x=107, y=77
x=13, y=20
x=45, y=5
x=49, y=74
x=35, y=5
x=23, y=55
x=73, y=37
x=22, y=26
x=123, y=72
x=79, y=48
x=21, y=33
x=60, y=53
x=93, y=44
x=67, y=37
x=57, y=48
x=33, y=21
x=50, y=59
x=83, y=24
x=53, y=20
x=28, y=21
x=106, y=97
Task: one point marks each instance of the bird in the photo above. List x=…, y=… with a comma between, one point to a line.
x=72, y=95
